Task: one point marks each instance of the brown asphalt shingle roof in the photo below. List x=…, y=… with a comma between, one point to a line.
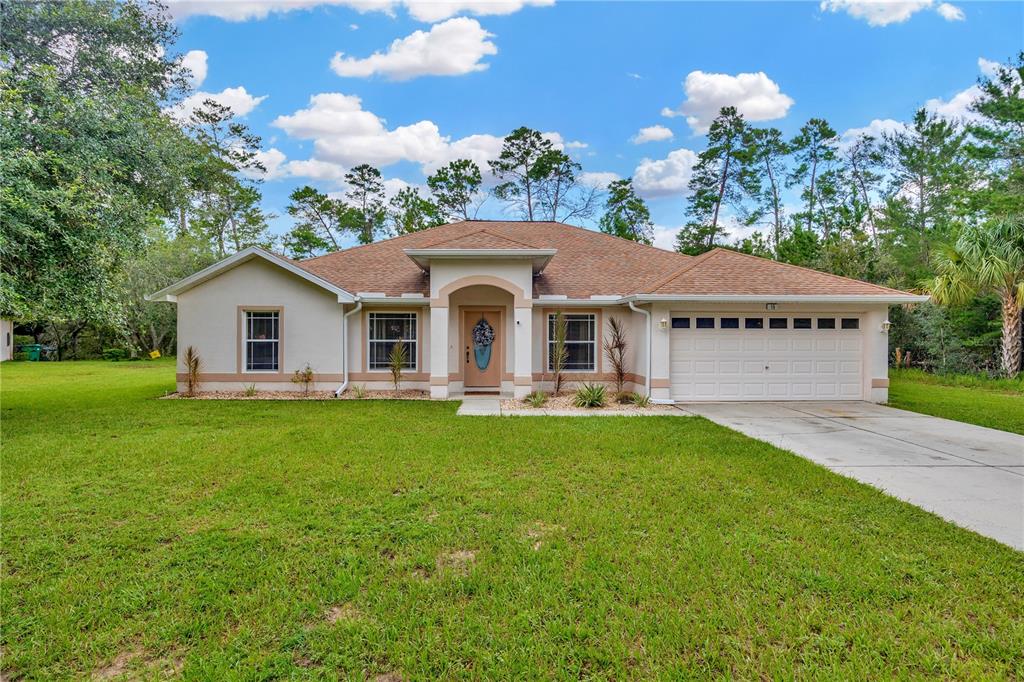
x=587, y=263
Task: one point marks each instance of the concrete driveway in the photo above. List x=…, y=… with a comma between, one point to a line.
x=966, y=474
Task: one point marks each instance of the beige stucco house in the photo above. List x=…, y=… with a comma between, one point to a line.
x=474, y=303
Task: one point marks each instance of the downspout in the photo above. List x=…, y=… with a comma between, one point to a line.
x=647, y=314
x=344, y=348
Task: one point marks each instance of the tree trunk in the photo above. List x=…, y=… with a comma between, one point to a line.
x=1011, y=342
x=718, y=204
x=810, y=197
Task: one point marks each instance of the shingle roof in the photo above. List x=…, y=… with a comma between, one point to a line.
x=587, y=263
x=726, y=272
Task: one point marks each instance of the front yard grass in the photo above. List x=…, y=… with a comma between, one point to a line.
x=995, y=403
x=266, y=540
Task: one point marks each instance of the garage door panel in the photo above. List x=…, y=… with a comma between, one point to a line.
x=766, y=364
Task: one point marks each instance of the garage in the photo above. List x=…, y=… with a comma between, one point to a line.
x=736, y=356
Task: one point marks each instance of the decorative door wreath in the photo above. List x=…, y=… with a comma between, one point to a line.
x=483, y=338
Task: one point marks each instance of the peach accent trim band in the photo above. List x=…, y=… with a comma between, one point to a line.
x=257, y=377
x=438, y=381
x=386, y=376
x=661, y=383
x=523, y=381
x=588, y=376
x=520, y=300
x=879, y=383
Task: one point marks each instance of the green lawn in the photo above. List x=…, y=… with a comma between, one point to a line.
x=267, y=540
x=997, y=404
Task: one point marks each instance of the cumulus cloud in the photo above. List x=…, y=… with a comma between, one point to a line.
x=877, y=129
x=344, y=135
x=598, y=179
x=958, y=107
x=195, y=62
x=754, y=95
x=665, y=237
x=884, y=12
x=655, y=133
x=452, y=48
x=422, y=10
x=238, y=99
x=664, y=177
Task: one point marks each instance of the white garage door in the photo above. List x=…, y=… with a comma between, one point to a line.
x=766, y=357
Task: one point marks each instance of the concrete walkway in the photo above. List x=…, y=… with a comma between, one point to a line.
x=970, y=475
x=480, y=406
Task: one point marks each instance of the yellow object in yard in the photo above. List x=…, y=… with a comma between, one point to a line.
x=154, y=354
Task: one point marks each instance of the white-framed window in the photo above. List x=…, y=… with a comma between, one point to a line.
x=387, y=329
x=262, y=340
x=580, y=342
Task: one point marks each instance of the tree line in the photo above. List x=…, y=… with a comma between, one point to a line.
x=109, y=192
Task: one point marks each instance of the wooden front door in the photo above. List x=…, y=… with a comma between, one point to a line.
x=482, y=365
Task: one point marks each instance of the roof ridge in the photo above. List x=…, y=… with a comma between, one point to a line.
x=665, y=279
x=382, y=241
x=482, y=230
x=807, y=269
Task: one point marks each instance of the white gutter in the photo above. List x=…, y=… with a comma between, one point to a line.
x=647, y=314
x=783, y=298
x=344, y=347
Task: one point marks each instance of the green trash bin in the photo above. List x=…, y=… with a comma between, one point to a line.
x=34, y=351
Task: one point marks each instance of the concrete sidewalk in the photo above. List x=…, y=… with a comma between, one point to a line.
x=970, y=475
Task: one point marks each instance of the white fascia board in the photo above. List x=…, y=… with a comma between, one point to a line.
x=170, y=293
x=577, y=302
x=787, y=298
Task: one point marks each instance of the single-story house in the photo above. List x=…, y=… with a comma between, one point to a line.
x=475, y=305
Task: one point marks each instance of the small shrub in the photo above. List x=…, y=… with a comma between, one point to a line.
x=114, y=354
x=559, y=352
x=193, y=365
x=250, y=390
x=640, y=399
x=359, y=391
x=615, y=350
x=304, y=377
x=537, y=399
x=396, y=361
x=590, y=395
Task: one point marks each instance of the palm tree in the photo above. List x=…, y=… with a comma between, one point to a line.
x=987, y=258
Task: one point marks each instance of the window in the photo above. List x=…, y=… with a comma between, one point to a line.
x=262, y=340
x=753, y=323
x=801, y=323
x=826, y=323
x=580, y=341
x=680, y=323
x=851, y=323
x=730, y=323
x=387, y=329
x=705, y=323
x=778, y=323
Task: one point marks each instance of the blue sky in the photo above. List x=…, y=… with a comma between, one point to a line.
x=593, y=74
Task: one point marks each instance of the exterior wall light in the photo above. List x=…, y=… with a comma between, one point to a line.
x=885, y=326
x=663, y=323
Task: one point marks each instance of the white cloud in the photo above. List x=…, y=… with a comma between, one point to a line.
x=958, y=107
x=885, y=12
x=655, y=133
x=877, y=129
x=988, y=67
x=950, y=12
x=598, y=179
x=431, y=10
x=195, y=61
x=240, y=101
x=353, y=27
x=664, y=177
x=665, y=237
x=423, y=10
x=452, y=48
x=273, y=161
x=344, y=135
x=754, y=95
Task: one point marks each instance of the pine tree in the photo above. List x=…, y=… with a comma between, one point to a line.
x=626, y=214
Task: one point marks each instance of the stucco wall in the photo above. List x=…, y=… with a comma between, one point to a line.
x=209, y=318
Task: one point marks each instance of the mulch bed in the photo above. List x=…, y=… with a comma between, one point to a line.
x=563, y=403
x=405, y=394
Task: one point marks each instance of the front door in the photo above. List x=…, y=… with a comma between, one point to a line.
x=481, y=340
